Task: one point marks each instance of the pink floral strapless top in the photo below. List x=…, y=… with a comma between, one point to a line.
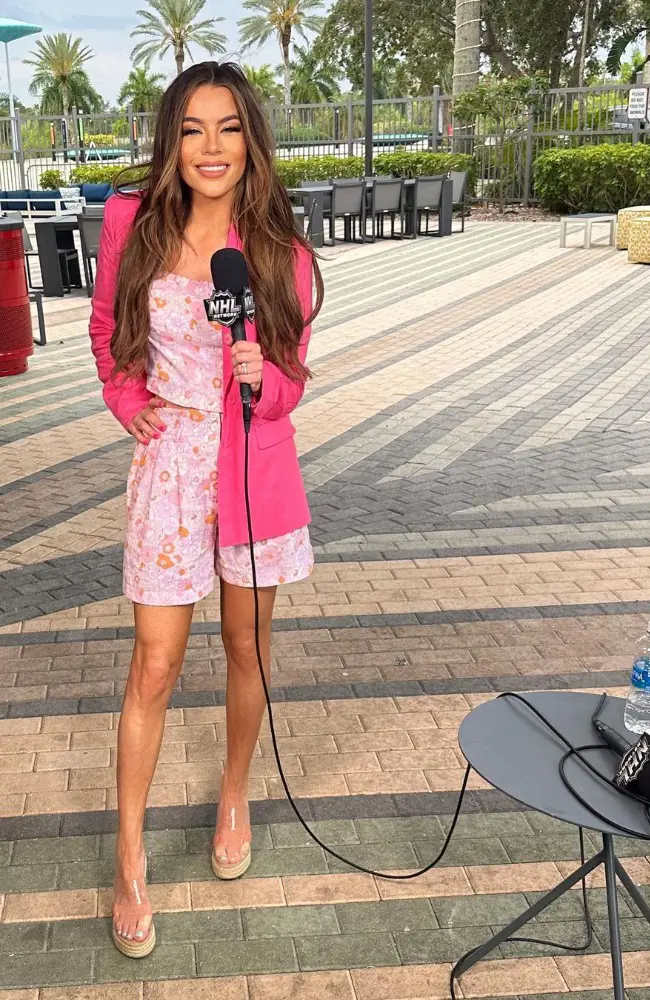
x=185, y=357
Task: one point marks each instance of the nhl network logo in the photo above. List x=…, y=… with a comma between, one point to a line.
x=222, y=308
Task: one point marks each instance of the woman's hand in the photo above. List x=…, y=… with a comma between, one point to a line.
x=247, y=362
x=147, y=424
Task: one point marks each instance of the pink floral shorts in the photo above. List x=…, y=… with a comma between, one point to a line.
x=171, y=550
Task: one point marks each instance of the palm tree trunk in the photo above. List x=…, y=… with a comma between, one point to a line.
x=179, y=55
x=66, y=99
x=285, y=42
x=467, y=49
x=583, y=44
x=646, y=68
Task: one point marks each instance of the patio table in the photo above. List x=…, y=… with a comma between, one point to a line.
x=315, y=197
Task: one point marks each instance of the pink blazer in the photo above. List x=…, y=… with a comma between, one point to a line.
x=277, y=493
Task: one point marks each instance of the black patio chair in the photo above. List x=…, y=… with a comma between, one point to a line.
x=427, y=195
x=349, y=204
x=90, y=228
x=459, y=196
x=65, y=256
x=386, y=199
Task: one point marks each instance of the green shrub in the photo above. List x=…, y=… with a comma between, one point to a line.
x=403, y=164
x=102, y=140
x=318, y=168
x=52, y=180
x=315, y=168
x=104, y=174
x=602, y=178
x=302, y=133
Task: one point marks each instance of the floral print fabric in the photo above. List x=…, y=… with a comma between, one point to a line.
x=171, y=550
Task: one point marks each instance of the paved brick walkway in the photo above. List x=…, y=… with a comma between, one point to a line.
x=475, y=443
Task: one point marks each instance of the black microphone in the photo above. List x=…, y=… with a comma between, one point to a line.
x=633, y=772
x=231, y=301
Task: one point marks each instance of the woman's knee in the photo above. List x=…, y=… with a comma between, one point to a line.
x=241, y=647
x=154, y=671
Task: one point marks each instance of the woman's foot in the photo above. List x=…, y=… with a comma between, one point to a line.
x=231, y=846
x=133, y=931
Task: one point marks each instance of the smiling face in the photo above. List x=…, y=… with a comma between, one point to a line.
x=213, y=148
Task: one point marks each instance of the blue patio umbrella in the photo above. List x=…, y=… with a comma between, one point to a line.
x=10, y=30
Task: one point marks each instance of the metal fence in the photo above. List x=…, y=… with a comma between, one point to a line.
x=505, y=143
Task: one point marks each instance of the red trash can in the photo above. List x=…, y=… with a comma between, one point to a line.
x=16, y=340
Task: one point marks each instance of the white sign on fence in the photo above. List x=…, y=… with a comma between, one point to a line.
x=638, y=104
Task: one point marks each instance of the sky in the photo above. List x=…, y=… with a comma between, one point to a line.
x=108, y=37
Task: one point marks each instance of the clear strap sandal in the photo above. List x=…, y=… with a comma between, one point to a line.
x=137, y=946
x=225, y=869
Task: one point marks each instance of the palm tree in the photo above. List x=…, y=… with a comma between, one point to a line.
x=311, y=80
x=4, y=105
x=262, y=78
x=141, y=89
x=280, y=18
x=639, y=26
x=467, y=46
x=172, y=24
x=59, y=79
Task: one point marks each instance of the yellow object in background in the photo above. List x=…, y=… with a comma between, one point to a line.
x=625, y=218
x=639, y=240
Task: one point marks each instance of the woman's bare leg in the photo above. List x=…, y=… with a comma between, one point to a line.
x=161, y=635
x=245, y=706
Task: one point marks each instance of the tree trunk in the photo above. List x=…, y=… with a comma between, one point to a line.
x=286, y=43
x=584, y=42
x=65, y=97
x=467, y=48
x=646, y=68
x=493, y=48
x=179, y=55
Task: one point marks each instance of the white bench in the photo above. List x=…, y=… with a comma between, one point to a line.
x=588, y=220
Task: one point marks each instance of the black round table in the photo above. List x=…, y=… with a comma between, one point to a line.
x=514, y=751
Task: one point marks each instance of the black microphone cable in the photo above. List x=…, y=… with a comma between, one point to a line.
x=578, y=754
x=572, y=751
x=339, y=857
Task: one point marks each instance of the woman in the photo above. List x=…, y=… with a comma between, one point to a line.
x=172, y=380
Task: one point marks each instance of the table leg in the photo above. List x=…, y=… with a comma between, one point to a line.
x=315, y=211
x=531, y=912
x=446, y=207
x=633, y=890
x=612, y=914
x=48, y=257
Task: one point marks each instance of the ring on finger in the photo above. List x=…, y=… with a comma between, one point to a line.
x=244, y=368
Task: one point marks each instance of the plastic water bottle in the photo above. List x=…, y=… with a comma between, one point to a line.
x=637, y=708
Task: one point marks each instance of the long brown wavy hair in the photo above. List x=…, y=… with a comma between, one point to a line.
x=262, y=215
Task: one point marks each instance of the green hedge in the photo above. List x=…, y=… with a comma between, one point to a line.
x=602, y=178
x=51, y=180
x=319, y=168
x=426, y=165
x=103, y=174
x=101, y=140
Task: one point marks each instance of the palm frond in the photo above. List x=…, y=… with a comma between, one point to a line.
x=143, y=53
x=618, y=47
x=153, y=26
x=211, y=41
x=254, y=31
